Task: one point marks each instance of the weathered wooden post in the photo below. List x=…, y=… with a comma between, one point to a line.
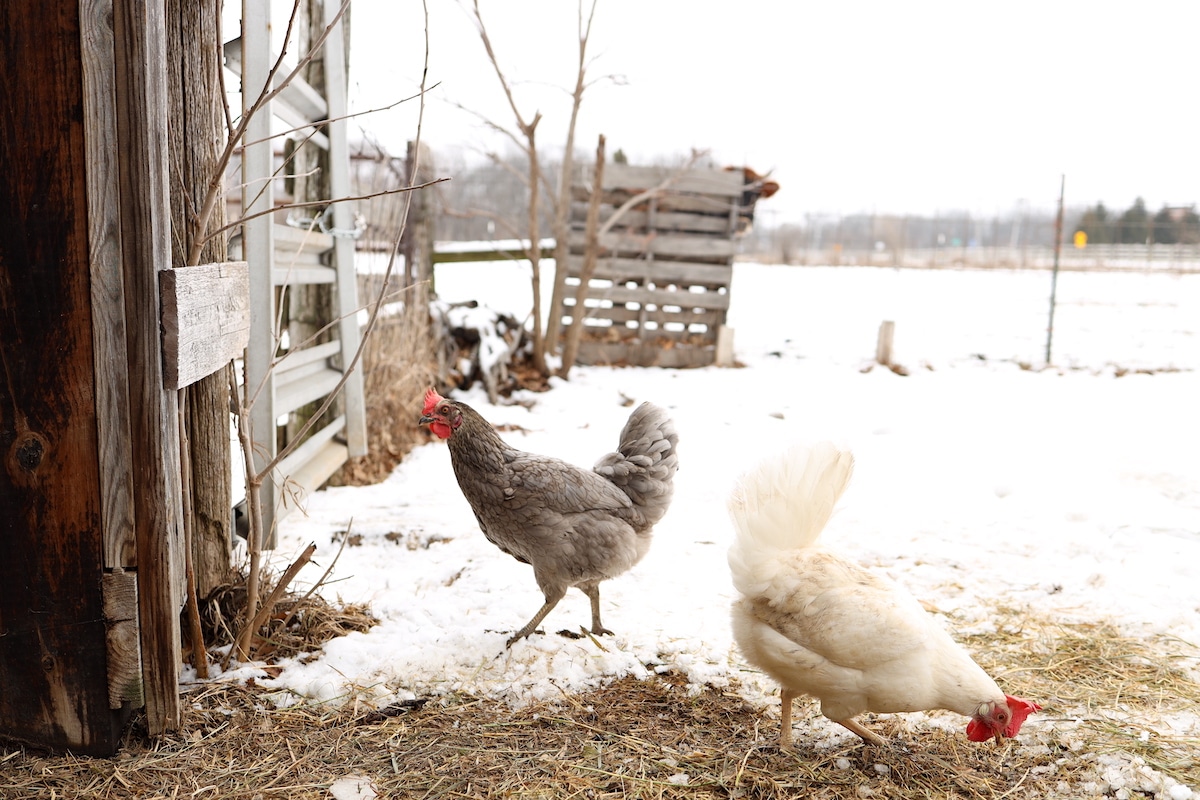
x=196, y=120
x=883, y=345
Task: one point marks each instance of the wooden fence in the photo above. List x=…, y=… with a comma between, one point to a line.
x=660, y=291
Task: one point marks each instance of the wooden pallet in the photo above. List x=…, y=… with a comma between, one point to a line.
x=660, y=291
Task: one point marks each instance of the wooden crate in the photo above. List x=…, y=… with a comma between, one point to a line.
x=660, y=290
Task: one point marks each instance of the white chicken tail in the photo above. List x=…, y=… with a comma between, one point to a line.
x=783, y=504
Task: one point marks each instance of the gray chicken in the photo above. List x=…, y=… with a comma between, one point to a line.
x=575, y=527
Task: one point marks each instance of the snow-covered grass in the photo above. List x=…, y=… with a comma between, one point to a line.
x=1073, y=490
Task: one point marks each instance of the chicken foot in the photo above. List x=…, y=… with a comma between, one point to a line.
x=785, y=723
x=531, y=626
x=867, y=736
x=592, y=590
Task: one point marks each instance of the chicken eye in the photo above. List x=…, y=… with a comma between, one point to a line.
x=1002, y=716
x=444, y=410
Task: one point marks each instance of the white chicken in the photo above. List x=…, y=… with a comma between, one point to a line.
x=825, y=626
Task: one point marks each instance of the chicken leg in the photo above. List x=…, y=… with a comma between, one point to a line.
x=592, y=590
x=785, y=723
x=854, y=727
x=785, y=718
x=531, y=626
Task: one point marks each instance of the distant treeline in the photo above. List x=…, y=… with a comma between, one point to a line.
x=1026, y=228
x=1135, y=225
x=489, y=200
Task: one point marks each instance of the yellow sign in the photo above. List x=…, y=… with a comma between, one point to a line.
x=1081, y=239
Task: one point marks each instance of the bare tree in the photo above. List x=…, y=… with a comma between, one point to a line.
x=525, y=139
x=562, y=205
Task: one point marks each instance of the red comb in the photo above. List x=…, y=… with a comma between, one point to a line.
x=1020, y=709
x=432, y=398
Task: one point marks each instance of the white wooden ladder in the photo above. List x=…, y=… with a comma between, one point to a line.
x=294, y=374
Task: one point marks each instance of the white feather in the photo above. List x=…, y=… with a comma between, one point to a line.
x=781, y=505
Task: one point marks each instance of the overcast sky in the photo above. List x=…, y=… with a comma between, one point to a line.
x=891, y=106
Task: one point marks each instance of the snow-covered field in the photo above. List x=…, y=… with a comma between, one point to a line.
x=1072, y=490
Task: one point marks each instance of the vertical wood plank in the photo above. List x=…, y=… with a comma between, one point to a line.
x=140, y=37
x=108, y=285
x=195, y=142
x=52, y=632
x=124, y=639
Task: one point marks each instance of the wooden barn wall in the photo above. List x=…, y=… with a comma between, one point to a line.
x=52, y=627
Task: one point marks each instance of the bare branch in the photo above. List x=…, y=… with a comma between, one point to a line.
x=312, y=126
x=526, y=128
x=656, y=191
x=266, y=95
x=495, y=126
x=375, y=308
x=561, y=202
x=322, y=203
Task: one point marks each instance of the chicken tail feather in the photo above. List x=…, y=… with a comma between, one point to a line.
x=645, y=463
x=783, y=504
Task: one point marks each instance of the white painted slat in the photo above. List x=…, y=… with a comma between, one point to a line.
x=343, y=223
x=298, y=104
x=311, y=473
x=290, y=276
x=294, y=463
x=308, y=355
x=316, y=384
x=258, y=241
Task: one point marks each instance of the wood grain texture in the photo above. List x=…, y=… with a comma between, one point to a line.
x=195, y=143
x=701, y=181
x=108, y=285
x=679, y=246
x=123, y=639
x=205, y=319
x=52, y=632
x=661, y=285
x=663, y=273
x=141, y=94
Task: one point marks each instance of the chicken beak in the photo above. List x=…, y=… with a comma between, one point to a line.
x=425, y=419
x=999, y=737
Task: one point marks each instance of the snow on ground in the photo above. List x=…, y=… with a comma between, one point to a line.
x=1070, y=490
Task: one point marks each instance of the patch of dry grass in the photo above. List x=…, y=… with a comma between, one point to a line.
x=639, y=738
x=1119, y=687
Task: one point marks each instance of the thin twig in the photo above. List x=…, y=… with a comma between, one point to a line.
x=280, y=587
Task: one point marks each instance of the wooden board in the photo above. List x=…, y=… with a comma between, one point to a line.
x=701, y=181
x=108, y=286
x=52, y=630
x=661, y=298
x=205, y=319
x=714, y=223
x=682, y=246
x=660, y=289
x=661, y=273
x=142, y=107
x=687, y=317
x=645, y=355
